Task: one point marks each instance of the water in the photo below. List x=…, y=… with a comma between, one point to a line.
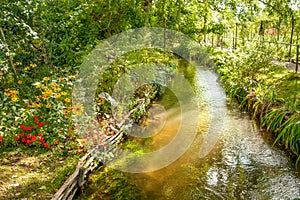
x=229, y=158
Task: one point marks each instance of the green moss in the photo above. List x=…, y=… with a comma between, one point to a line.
x=107, y=183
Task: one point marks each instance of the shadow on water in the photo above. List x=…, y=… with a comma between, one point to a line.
x=241, y=165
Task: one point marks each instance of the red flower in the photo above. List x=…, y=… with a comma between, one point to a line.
x=17, y=138
x=35, y=117
x=55, y=143
x=23, y=140
x=33, y=138
x=41, y=140
x=40, y=125
x=1, y=138
x=36, y=121
x=28, y=141
x=46, y=145
x=21, y=134
x=40, y=134
x=28, y=136
x=22, y=126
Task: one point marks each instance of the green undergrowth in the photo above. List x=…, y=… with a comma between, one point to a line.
x=39, y=142
x=109, y=183
x=269, y=92
x=30, y=174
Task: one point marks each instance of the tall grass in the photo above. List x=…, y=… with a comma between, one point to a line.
x=249, y=79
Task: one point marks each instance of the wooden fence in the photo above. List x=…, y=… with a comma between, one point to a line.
x=235, y=40
x=86, y=165
x=89, y=162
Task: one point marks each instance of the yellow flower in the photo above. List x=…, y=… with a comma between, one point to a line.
x=37, y=104
x=7, y=92
x=66, y=112
x=48, y=105
x=67, y=100
x=46, y=79
x=47, y=94
x=32, y=65
x=20, y=82
x=26, y=68
x=101, y=101
x=63, y=93
x=14, y=92
x=57, y=95
x=56, y=89
x=18, y=63
x=78, y=109
x=37, y=85
x=53, y=85
x=30, y=104
x=14, y=98
x=70, y=108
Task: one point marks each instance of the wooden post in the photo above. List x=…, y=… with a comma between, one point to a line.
x=221, y=42
x=291, y=40
x=236, y=29
x=233, y=41
x=297, y=55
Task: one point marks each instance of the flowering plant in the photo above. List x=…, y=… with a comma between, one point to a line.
x=34, y=133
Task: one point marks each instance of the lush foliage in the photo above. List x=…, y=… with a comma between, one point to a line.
x=43, y=42
x=269, y=92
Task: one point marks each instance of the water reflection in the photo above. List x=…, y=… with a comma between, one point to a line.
x=242, y=165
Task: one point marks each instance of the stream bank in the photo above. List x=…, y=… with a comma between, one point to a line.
x=271, y=94
x=242, y=165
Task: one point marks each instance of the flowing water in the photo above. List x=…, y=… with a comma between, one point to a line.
x=241, y=165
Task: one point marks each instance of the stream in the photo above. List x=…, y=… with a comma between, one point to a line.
x=241, y=165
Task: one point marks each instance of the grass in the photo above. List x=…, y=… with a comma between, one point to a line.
x=28, y=174
x=270, y=93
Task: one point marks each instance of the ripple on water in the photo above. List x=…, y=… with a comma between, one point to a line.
x=242, y=165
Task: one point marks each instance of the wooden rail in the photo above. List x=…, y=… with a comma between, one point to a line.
x=90, y=161
x=86, y=165
x=76, y=180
